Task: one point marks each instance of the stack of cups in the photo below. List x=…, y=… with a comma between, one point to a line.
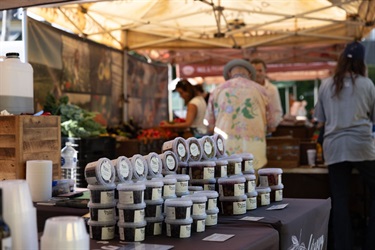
x=131, y=207
x=169, y=162
x=20, y=214
x=65, y=233
x=155, y=165
x=154, y=204
x=178, y=217
x=250, y=184
x=270, y=183
x=211, y=206
x=199, y=212
x=202, y=173
x=232, y=195
x=100, y=176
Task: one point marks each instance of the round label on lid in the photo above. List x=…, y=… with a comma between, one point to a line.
x=181, y=149
x=154, y=164
x=220, y=144
x=170, y=162
x=106, y=171
x=207, y=147
x=194, y=149
x=139, y=167
x=124, y=169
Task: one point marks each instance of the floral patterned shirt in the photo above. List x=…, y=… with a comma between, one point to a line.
x=239, y=110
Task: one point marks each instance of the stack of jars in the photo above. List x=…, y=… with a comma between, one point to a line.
x=232, y=195
x=270, y=186
x=211, y=206
x=154, y=204
x=198, y=212
x=100, y=175
x=178, y=218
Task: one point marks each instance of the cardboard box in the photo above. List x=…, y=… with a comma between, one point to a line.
x=26, y=137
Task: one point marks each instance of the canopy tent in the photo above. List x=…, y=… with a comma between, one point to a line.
x=215, y=31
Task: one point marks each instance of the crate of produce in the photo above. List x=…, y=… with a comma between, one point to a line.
x=26, y=137
x=283, y=152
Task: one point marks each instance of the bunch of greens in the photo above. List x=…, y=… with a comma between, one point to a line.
x=75, y=121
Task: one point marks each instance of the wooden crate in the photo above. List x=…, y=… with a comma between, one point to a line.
x=26, y=137
x=283, y=152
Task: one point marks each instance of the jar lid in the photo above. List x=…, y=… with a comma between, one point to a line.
x=104, y=172
x=209, y=193
x=266, y=171
x=178, y=177
x=219, y=144
x=212, y=211
x=246, y=156
x=252, y=194
x=179, y=222
x=202, y=216
x=196, y=198
x=124, y=168
x=154, y=219
x=101, y=223
x=111, y=186
x=154, y=164
x=138, y=186
x=233, y=159
x=231, y=180
x=203, y=181
x=220, y=162
x=250, y=177
x=101, y=205
x=178, y=202
x=195, y=149
x=132, y=224
x=277, y=187
x=202, y=164
x=195, y=188
x=179, y=147
x=208, y=146
x=140, y=167
x=169, y=180
x=233, y=198
x=263, y=189
x=131, y=206
x=169, y=161
x=154, y=183
x=155, y=202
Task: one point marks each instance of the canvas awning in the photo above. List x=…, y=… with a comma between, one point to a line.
x=215, y=31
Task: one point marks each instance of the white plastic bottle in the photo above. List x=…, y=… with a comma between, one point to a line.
x=69, y=162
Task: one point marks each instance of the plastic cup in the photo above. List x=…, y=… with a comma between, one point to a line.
x=65, y=233
x=20, y=214
x=311, y=156
x=39, y=178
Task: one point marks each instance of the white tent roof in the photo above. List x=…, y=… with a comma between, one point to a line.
x=214, y=31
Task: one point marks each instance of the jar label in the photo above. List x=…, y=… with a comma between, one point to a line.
x=108, y=233
x=200, y=226
x=239, y=207
x=127, y=197
x=249, y=165
x=154, y=165
x=107, y=214
x=182, y=186
x=223, y=171
x=250, y=186
x=194, y=149
x=207, y=148
x=209, y=187
x=263, y=180
x=169, y=190
x=208, y=172
x=170, y=162
x=220, y=145
x=238, y=168
x=139, y=234
x=185, y=231
x=279, y=182
x=124, y=169
x=279, y=195
x=157, y=228
x=106, y=171
x=181, y=150
x=139, y=167
x=251, y=203
x=211, y=219
x=199, y=208
x=212, y=203
x=239, y=189
x=265, y=199
x=156, y=193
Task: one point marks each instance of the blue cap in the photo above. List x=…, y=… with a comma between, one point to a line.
x=355, y=50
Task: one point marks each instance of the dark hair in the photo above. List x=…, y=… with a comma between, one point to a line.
x=347, y=65
x=186, y=86
x=258, y=61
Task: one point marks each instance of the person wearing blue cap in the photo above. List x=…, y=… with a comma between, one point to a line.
x=346, y=107
x=239, y=110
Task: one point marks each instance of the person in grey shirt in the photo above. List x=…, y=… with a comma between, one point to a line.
x=346, y=107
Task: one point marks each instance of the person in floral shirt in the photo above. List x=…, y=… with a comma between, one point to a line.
x=238, y=110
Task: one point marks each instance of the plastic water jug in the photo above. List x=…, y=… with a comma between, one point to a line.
x=16, y=85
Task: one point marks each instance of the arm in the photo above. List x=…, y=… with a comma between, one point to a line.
x=190, y=116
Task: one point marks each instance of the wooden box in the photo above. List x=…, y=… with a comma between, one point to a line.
x=283, y=152
x=26, y=137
